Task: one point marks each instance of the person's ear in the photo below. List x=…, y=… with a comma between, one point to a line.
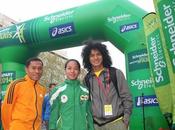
x=26, y=69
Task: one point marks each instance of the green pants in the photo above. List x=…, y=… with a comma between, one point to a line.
x=118, y=125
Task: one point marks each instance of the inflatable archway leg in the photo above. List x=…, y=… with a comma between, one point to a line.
x=10, y=72
x=12, y=64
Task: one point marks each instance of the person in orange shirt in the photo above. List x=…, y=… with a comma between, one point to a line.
x=22, y=105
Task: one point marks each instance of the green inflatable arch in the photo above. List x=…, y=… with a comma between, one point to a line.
x=117, y=21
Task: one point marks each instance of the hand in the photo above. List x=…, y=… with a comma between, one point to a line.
x=45, y=122
x=126, y=124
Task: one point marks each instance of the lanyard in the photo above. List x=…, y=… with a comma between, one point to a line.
x=101, y=86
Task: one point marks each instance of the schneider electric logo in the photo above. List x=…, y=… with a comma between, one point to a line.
x=62, y=30
x=129, y=27
x=150, y=100
x=142, y=83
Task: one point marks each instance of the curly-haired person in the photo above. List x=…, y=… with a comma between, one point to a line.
x=110, y=95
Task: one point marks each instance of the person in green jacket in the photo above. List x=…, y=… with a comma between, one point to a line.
x=70, y=104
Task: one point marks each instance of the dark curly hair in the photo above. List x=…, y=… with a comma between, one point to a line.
x=91, y=45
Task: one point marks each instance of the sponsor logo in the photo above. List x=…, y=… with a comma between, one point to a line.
x=142, y=84
x=157, y=59
x=6, y=35
x=119, y=18
x=152, y=22
x=62, y=30
x=150, y=100
x=129, y=27
x=7, y=77
x=138, y=60
x=59, y=17
x=168, y=21
x=20, y=33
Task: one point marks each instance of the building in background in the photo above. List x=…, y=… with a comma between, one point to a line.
x=6, y=21
x=54, y=68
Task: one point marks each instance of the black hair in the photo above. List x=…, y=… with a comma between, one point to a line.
x=51, y=84
x=95, y=45
x=72, y=60
x=32, y=59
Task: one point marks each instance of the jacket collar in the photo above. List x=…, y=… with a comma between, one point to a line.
x=30, y=80
x=103, y=71
x=76, y=82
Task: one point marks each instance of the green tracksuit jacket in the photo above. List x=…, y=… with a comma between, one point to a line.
x=70, y=107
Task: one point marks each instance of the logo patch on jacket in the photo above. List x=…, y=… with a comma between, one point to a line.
x=64, y=98
x=41, y=95
x=84, y=97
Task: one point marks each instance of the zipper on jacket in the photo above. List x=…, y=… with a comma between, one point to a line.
x=35, y=105
x=100, y=97
x=101, y=103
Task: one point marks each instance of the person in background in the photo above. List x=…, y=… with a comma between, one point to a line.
x=70, y=106
x=46, y=108
x=22, y=105
x=111, y=99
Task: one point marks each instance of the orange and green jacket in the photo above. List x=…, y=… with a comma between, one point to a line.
x=22, y=105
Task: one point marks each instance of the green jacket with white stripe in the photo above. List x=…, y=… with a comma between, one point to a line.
x=70, y=107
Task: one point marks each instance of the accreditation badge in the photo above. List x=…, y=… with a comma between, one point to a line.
x=108, y=110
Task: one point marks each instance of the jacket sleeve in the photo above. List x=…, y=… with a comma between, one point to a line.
x=46, y=108
x=89, y=117
x=7, y=106
x=54, y=114
x=125, y=96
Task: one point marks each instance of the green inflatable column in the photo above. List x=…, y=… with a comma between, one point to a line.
x=12, y=61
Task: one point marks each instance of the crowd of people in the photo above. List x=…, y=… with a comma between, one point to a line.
x=102, y=102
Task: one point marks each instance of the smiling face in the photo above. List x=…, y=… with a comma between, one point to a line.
x=34, y=70
x=72, y=70
x=96, y=59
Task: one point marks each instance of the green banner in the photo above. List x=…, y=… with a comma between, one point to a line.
x=158, y=63
x=157, y=59
x=166, y=11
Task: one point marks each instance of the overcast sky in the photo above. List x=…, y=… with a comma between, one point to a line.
x=22, y=10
